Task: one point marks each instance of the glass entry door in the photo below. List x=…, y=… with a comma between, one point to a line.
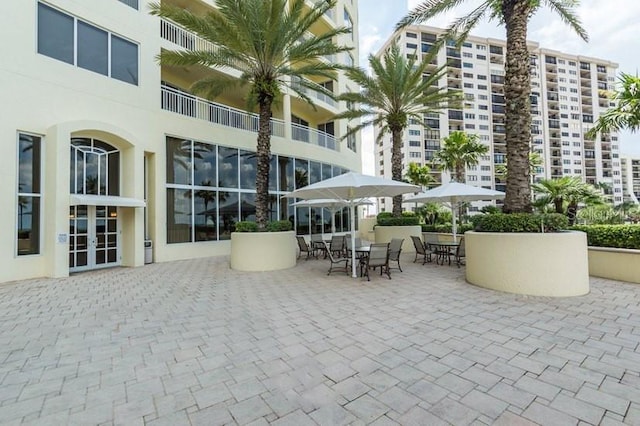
x=93, y=237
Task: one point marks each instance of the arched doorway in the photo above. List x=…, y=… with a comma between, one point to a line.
x=94, y=222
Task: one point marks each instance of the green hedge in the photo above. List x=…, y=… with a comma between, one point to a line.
x=447, y=228
x=520, y=222
x=275, y=226
x=619, y=236
x=407, y=219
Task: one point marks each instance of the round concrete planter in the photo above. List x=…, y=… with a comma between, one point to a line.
x=384, y=234
x=263, y=251
x=551, y=264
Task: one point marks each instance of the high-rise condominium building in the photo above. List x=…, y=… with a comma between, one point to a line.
x=103, y=148
x=631, y=178
x=568, y=93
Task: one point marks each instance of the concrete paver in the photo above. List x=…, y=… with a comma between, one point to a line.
x=193, y=342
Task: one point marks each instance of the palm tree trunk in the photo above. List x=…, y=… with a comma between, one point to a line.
x=263, y=152
x=517, y=90
x=396, y=166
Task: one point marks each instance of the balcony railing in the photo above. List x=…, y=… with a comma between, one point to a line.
x=192, y=106
x=318, y=93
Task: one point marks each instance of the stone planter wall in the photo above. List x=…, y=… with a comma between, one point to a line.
x=443, y=237
x=384, y=234
x=263, y=251
x=551, y=264
x=615, y=264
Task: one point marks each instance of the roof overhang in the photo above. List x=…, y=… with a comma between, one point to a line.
x=104, y=200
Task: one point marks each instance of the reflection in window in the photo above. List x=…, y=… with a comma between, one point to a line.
x=248, y=206
x=178, y=215
x=302, y=173
x=206, y=214
x=227, y=167
x=55, y=34
x=178, y=161
x=228, y=214
x=315, y=172
x=124, y=60
x=93, y=48
x=248, y=169
x=29, y=181
x=95, y=167
x=204, y=164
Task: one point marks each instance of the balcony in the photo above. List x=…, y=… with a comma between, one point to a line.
x=192, y=106
x=315, y=91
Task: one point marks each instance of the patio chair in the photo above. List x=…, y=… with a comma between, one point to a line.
x=421, y=250
x=305, y=248
x=347, y=245
x=395, y=248
x=461, y=255
x=317, y=242
x=336, y=246
x=378, y=257
x=336, y=261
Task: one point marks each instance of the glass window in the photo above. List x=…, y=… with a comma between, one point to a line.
x=204, y=164
x=178, y=161
x=124, y=60
x=178, y=215
x=228, y=202
x=285, y=172
x=248, y=169
x=315, y=174
x=55, y=34
x=302, y=173
x=29, y=182
x=93, y=48
x=227, y=167
x=206, y=214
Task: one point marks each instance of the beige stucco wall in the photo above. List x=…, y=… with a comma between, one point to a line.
x=365, y=228
x=551, y=264
x=614, y=263
x=384, y=234
x=263, y=251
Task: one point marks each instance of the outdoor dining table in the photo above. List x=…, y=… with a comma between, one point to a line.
x=444, y=251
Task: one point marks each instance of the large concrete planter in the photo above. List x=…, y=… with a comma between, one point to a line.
x=551, y=264
x=263, y=251
x=615, y=263
x=384, y=234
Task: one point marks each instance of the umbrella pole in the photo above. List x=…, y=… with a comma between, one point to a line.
x=353, y=240
x=453, y=216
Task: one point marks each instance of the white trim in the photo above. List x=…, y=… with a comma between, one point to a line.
x=104, y=200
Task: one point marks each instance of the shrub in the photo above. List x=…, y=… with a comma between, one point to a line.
x=521, y=222
x=279, y=226
x=407, y=219
x=275, y=226
x=246, y=226
x=620, y=236
x=447, y=228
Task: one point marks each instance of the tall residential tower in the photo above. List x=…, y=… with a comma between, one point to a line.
x=568, y=93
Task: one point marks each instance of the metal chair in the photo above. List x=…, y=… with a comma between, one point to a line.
x=461, y=255
x=395, y=248
x=304, y=248
x=378, y=257
x=421, y=250
x=336, y=246
x=336, y=261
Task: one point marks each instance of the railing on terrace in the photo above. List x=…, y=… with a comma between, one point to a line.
x=185, y=104
x=313, y=136
x=318, y=93
x=130, y=3
x=175, y=34
x=192, y=106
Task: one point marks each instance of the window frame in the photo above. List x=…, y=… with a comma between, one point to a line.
x=39, y=195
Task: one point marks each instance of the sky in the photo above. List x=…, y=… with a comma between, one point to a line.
x=613, y=27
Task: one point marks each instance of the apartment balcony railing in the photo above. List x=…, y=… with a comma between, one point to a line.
x=318, y=93
x=192, y=106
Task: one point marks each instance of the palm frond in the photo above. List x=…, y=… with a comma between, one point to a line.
x=565, y=8
x=426, y=10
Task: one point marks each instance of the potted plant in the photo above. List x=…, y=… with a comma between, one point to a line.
x=272, y=250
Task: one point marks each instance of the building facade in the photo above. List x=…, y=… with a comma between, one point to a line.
x=105, y=149
x=568, y=93
x=631, y=178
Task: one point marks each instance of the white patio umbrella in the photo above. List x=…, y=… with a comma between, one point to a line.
x=455, y=193
x=331, y=204
x=351, y=188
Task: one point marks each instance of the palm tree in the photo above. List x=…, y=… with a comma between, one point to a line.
x=535, y=163
x=567, y=191
x=515, y=15
x=271, y=45
x=626, y=114
x=419, y=175
x=400, y=89
x=459, y=151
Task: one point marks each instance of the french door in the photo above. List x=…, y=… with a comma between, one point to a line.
x=94, y=237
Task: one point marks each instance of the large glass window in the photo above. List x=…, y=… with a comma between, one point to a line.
x=95, y=168
x=210, y=188
x=68, y=39
x=29, y=194
x=55, y=34
x=124, y=60
x=93, y=48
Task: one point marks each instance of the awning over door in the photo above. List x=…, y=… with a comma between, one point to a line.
x=104, y=200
